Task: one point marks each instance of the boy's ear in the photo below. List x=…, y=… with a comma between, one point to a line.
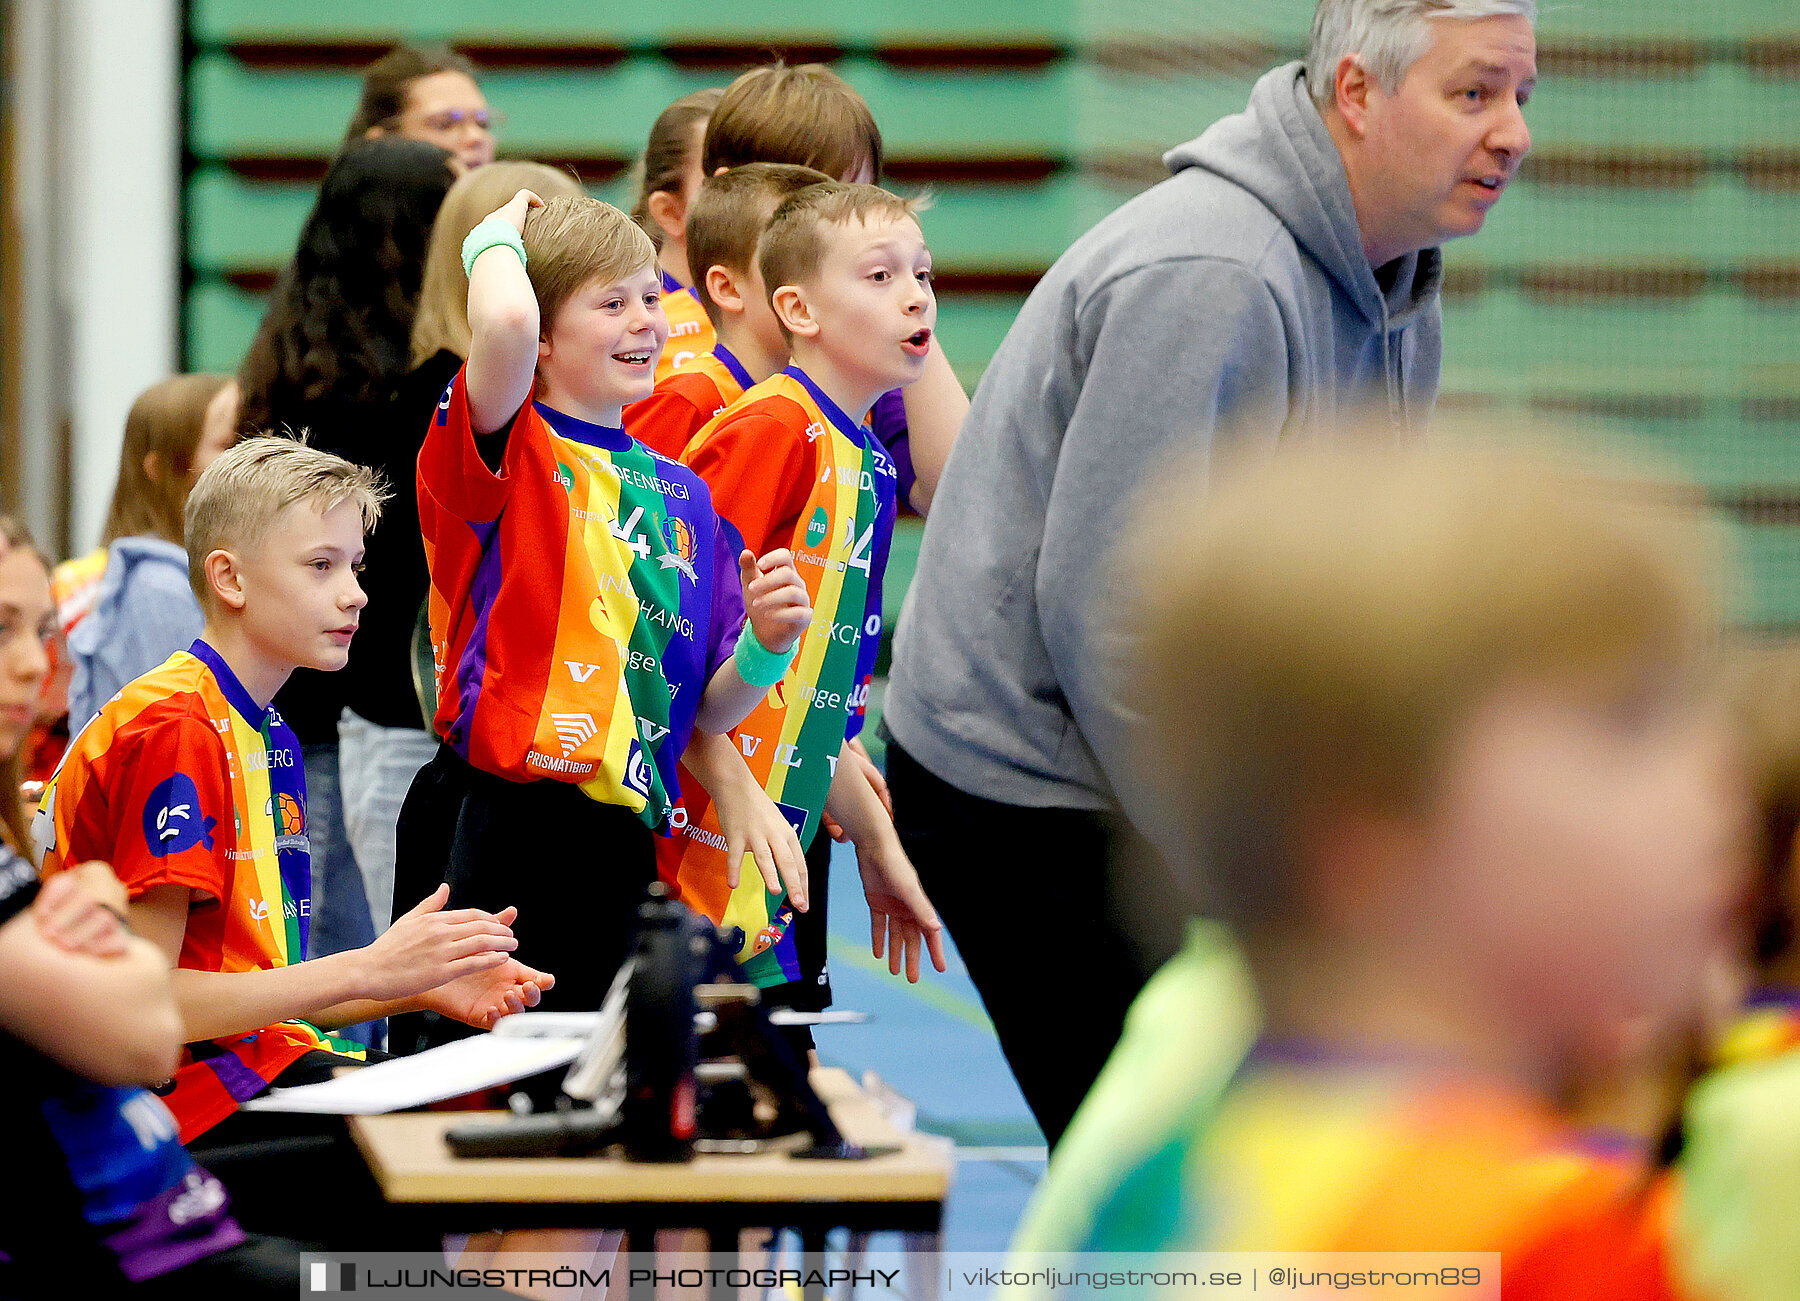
x=669, y=213
x=543, y=346
x=224, y=578
x=722, y=284
x=793, y=311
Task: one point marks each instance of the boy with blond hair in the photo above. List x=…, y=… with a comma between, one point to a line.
x=190, y=784
x=792, y=464
x=1428, y=730
x=589, y=611
x=727, y=218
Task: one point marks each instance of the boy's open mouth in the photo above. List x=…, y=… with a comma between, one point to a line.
x=918, y=342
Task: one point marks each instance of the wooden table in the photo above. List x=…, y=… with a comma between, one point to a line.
x=721, y=1194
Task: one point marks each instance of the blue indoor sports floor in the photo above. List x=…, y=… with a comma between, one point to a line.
x=933, y=1044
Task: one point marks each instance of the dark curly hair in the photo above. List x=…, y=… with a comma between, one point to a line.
x=339, y=320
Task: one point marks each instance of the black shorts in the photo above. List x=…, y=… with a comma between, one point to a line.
x=576, y=870
x=812, y=991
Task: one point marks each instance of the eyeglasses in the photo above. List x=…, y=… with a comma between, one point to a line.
x=450, y=118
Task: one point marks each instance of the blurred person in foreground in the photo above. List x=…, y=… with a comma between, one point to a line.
x=1432, y=730
x=116, y=1207
x=1287, y=273
x=1740, y=1158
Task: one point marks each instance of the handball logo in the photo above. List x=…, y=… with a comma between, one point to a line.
x=817, y=528
x=289, y=817
x=679, y=534
x=637, y=772
x=173, y=820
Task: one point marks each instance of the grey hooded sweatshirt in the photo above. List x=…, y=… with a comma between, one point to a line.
x=1232, y=301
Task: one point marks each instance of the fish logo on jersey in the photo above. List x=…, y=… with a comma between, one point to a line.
x=173, y=819
x=817, y=527
x=443, y=408
x=679, y=534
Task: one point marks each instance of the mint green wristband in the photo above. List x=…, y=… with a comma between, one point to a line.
x=756, y=663
x=491, y=233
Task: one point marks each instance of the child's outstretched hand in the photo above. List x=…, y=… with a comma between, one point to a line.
x=901, y=919
x=516, y=209
x=775, y=600
x=429, y=947
x=856, y=752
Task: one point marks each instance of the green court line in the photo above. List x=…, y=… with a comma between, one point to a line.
x=932, y=996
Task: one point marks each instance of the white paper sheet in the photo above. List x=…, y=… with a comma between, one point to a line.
x=481, y=1062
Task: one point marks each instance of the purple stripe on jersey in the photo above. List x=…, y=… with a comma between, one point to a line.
x=887, y=481
x=888, y=418
x=239, y=1080
x=735, y=367
x=177, y=1227
x=471, y=671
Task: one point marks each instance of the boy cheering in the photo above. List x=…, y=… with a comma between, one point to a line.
x=792, y=464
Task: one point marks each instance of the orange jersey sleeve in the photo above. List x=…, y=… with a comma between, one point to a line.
x=691, y=331
x=760, y=469
x=679, y=408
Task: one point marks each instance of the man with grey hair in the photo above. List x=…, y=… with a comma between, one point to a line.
x=1285, y=277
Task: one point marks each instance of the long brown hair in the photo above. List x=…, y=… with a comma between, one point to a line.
x=442, y=321
x=387, y=81
x=669, y=150
x=12, y=810
x=165, y=422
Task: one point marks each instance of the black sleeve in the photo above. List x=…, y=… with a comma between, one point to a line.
x=18, y=883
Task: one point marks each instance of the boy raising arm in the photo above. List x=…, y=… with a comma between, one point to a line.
x=588, y=606
x=505, y=351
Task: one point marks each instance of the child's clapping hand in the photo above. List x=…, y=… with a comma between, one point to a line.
x=775, y=600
